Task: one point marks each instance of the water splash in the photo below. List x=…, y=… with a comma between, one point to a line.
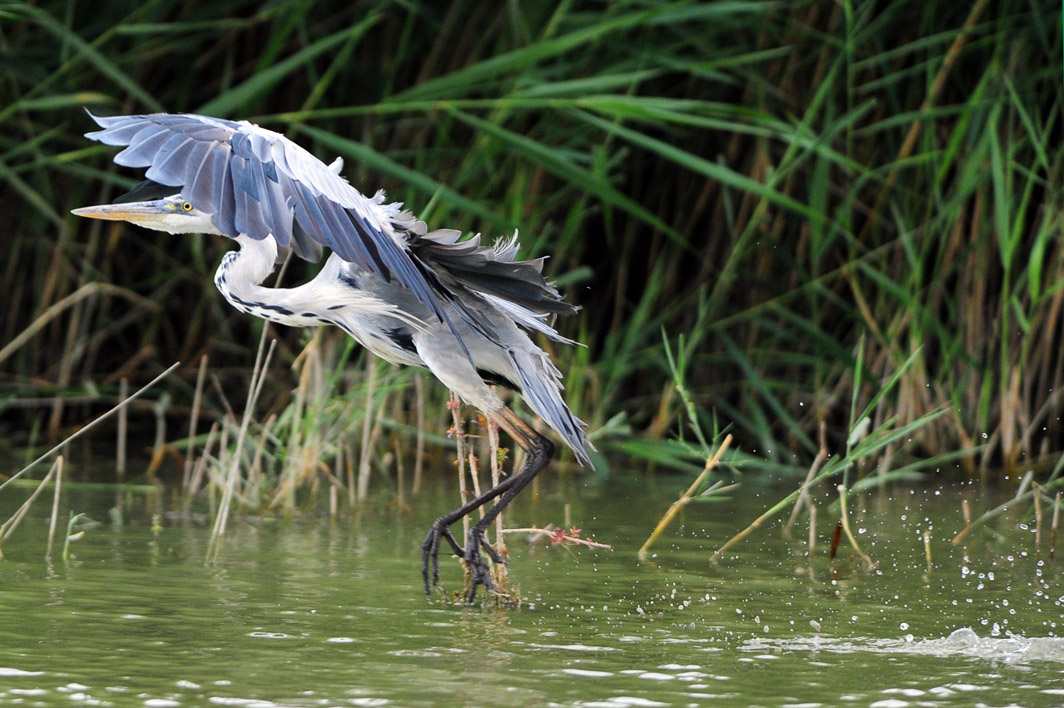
x=962, y=642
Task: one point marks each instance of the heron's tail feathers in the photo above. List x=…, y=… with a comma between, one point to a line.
x=490, y=270
x=541, y=389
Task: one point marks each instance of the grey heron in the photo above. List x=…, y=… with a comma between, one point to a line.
x=411, y=296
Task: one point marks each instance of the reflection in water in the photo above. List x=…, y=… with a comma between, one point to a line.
x=331, y=613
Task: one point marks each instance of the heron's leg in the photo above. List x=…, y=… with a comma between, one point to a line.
x=538, y=451
x=430, y=547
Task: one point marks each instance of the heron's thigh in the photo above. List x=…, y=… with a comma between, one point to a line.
x=448, y=363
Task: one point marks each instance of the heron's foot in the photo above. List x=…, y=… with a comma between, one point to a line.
x=430, y=553
x=480, y=573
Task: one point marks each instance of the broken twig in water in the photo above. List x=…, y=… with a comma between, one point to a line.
x=674, y=509
x=557, y=535
x=835, y=538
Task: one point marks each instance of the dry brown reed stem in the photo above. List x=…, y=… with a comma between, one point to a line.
x=56, y=309
x=459, y=438
x=258, y=377
x=914, y=130
x=367, y=423
x=812, y=529
x=496, y=477
x=158, y=448
x=197, y=398
x=201, y=465
x=1053, y=527
x=350, y=470
x=9, y=526
x=927, y=548
x=93, y=424
x=400, y=474
x=1037, y=518
x=295, y=449
x=674, y=508
x=55, y=507
x=378, y=428
x=255, y=471
x=845, y=519
x=803, y=495
x=222, y=397
x=214, y=482
x=339, y=470
x=419, y=407
x=474, y=476
x=966, y=510
x=123, y=427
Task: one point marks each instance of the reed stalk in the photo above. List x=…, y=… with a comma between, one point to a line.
x=55, y=507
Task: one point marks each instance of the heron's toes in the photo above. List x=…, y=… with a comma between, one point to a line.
x=480, y=573
x=430, y=553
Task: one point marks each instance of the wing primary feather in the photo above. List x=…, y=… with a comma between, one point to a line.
x=272, y=205
x=368, y=244
x=167, y=166
x=199, y=186
x=142, y=147
x=224, y=217
x=310, y=218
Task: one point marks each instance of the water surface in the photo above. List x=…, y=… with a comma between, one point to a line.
x=320, y=612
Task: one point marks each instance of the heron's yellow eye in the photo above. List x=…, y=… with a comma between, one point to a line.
x=186, y=206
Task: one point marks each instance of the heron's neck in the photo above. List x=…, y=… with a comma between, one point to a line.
x=239, y=279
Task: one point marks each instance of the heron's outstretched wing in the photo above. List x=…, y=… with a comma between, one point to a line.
x=257, y=182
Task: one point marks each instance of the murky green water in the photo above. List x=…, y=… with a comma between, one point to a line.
x=313, y=612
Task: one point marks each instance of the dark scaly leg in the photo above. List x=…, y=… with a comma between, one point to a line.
x=430, y=547
x=538, y=451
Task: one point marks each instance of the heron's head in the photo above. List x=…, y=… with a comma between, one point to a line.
x=154, y=206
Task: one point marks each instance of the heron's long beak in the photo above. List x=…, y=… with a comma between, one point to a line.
x=134, y=212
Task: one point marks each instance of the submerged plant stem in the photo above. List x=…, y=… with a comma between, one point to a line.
x=844, y=518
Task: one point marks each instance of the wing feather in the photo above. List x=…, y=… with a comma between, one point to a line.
x=142, y=147
x=170, y=159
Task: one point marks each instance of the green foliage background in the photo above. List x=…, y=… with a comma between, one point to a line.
x=776, y=181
